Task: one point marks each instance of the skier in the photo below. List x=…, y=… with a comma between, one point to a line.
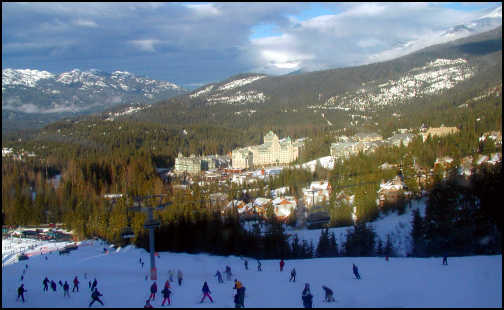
x=237, y=300
x=259, y=266
x=240, y=291
x=228, y=273
x=445, y=260
x=293, y=275
x=307, y=296
x=66, y=289
x=46, y=282
x=95, y=283
x=180, y=277
x=206, y=292
x=148, y=304
x=153, y=290
x=85, y=275
x=282, y=264
x=96, y=297
x=170, y=274
x=76, y=284
x=53, y=285
x=356, y=272
x=21, y=291
x=167, y=284
x=328, y=294
x=166, y=294
x=246, y=264
x=219, y=276
x=60, y=283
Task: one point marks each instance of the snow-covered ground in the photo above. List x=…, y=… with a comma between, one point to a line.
x=474, y=281
x=397, y=226
x=326, y=162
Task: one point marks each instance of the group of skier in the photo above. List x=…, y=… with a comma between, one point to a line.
x=239, y=297
x=95, y=294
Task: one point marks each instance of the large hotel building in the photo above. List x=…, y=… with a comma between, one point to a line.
x=272, y=152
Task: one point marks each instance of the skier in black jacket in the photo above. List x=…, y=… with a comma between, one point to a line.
x=153, y=290
x=66, y=289
x=46, y=282
x=356, y=271
x=93, y=286
x=96, y=297
x=53, y=285
x=293, y=275
x=218, y=274
x=206, y=293
x=21, y=291
x=328, y=294
x=307, y=297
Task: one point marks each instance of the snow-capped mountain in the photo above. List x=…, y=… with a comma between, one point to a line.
x=237, y=90
x=77, y=92
x=488, y=20
x=432, y=78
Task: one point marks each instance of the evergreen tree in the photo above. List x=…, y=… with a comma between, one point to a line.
x=418, y=235
x=296, y=248
x=333, y=246
x=323, y=244
x=360, y=241
x=379, y=248
x=389, y=248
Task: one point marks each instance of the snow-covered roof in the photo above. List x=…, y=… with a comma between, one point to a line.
x=260, y=201
x=319, y=185
x=393, y=185
x=481, y=159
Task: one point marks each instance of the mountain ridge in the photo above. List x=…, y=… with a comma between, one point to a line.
x=27, y=93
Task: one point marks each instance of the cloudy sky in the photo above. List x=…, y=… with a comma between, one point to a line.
x=195, y=43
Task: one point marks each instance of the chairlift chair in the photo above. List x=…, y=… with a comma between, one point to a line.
x=318, y=219
x=127, y=233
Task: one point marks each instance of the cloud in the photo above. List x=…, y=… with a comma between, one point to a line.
x=190, y=43
x=85, y=23
x=145, y=45
x=204, y=9
x=359, y=34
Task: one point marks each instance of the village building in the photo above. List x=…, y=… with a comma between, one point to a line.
x=439, y=132
x=397, y=139
x=284, y=206
x=390, y=191
x=368, y=137
x=273, y=151
x=443, y=162
x=197, y=164
x=496, y=136
x=343, y=150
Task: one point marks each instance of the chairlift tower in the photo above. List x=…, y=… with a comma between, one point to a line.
x=150, y=224
x=313, y=191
